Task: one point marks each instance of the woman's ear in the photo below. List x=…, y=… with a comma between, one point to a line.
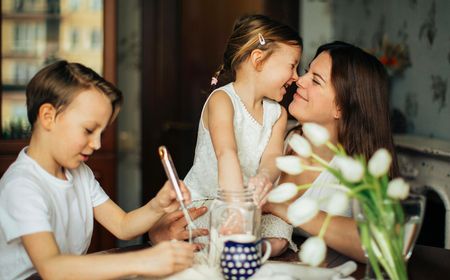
x=46, y=115
x=337, y=113
x=256, y=58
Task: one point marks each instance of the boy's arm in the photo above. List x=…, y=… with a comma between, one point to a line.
x=274, y=148
x=219, y=121
x=51, y=264
x=127, y=226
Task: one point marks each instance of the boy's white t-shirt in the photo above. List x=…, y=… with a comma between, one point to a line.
x=32, y=200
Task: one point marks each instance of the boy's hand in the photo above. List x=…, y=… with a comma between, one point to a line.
x=166, y=258
x=261, y=185
x=166, y=199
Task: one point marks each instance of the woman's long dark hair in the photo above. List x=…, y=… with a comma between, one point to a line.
x=361, y=85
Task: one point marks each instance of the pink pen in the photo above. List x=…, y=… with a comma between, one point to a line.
x=171, y=173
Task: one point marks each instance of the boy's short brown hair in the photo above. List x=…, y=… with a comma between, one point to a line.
x=59, y=83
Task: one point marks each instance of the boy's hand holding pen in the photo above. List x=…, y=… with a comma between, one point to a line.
x=166, y=201
x=172, y=174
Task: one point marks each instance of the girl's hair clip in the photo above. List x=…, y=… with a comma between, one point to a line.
x=262, y=41
x=214, y=81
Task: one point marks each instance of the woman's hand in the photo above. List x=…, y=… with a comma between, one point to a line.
x=166, y=199
x=165, y=258
x=174, y=226
x=277, y=209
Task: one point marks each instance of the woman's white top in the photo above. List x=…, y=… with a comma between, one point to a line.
x=251, y=141
x=323, y=187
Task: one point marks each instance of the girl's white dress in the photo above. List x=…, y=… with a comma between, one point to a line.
x=251, y=141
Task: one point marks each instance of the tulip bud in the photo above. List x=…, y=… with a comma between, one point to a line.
x=351, y=169
x=317, y=134
x=302, y=211
x=338, y=203
x=313, y=251
x=398, y=189
x=300, y=145
x=289, y=164
x=380, y=162
x=282, y=193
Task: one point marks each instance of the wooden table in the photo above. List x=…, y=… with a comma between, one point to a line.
x=426, y=263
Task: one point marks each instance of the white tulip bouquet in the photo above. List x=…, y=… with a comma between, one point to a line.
x=381, y=232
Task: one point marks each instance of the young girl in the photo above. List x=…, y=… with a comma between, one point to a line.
x=242, y=126
x=49, y=196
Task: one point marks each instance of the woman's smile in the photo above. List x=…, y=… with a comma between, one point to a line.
x=299, y=96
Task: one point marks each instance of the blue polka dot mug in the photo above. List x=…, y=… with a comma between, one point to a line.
x=241, y=257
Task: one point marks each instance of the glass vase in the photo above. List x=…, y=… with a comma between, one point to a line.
x=388, y=231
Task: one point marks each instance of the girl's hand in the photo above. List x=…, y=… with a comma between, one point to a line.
x=233, y=224
x=166, y=199
x=166, y=258
x=261, y=185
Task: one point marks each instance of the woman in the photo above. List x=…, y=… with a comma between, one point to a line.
x=345, y=90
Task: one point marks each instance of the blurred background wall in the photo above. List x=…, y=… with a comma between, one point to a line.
x=420, y=30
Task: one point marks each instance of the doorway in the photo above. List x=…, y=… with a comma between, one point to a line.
x=182, y=46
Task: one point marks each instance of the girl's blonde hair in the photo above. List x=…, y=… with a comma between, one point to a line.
x=250, y=33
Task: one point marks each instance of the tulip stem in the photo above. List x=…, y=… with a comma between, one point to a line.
x=359, y=189
x=325, y=224
x=332, y=147
x=320, y=160
x=314, y=168
x=303, y=187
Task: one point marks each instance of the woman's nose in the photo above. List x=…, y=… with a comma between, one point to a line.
x=300, y=81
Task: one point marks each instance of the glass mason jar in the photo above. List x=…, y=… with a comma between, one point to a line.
x=233, y=212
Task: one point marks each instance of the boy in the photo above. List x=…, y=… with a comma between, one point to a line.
x=49, y=196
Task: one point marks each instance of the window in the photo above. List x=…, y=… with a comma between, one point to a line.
x=74, y=5
x=96, y=5
x=96, y=39
x=27, y=36
x=36, y=33
x=23, y=72
x=21, y=6
x=74, y=38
